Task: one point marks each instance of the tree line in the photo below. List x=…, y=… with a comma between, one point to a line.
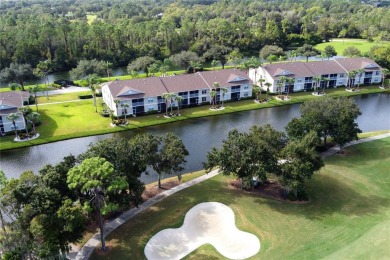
x=59, y=32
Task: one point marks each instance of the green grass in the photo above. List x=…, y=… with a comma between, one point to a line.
x=76, y=119
x=91, y=18
x=348, y=216
x=340, y=45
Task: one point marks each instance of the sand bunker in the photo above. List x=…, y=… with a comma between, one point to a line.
x=209, y=222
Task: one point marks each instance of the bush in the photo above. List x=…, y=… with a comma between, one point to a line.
x=31, y=100
x=85, y=96
x=56, y=85
x=151, y=112
x=105, y=113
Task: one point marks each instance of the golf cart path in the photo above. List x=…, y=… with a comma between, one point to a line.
x=87, y=249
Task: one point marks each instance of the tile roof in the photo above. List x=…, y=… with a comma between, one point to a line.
x=148, y=87
x=357, y=63
x=300, y=69
x=155, y=86
x=12, y=99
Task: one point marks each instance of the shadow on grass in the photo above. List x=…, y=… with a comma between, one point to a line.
x=47, y=127
x=329, y=196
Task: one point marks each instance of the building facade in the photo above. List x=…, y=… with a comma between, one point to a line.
x=139, y=96
x=10, y=103
x=334, y=71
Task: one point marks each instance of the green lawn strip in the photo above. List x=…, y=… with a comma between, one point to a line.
x=62, y=97
x=346, y=217
x=363, y=45
x=78, y=119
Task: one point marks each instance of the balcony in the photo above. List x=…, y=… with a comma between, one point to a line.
x=137, y=104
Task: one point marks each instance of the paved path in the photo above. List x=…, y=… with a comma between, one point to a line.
x=93, y=242
x=336, y=149
x=70, y=89
x=60, y=102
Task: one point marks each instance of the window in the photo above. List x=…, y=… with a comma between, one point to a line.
x=150, y=108
x=377, y=73
x=204, y=91
x=340, y=82
x=246, y=87
x=299, y=80
x=150, y=100
x=245, y=94
x=341, y=75
x=204, y=99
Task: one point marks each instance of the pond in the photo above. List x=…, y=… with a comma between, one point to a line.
x=198, y=135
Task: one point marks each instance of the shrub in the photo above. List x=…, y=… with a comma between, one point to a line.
x=151, y=112
x=85, y=96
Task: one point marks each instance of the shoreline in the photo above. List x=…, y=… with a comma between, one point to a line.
x=230, y=107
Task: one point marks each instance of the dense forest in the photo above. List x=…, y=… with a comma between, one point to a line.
x=119, y=31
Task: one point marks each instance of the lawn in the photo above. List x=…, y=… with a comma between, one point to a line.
x=348, y=216
x=76, y=119
x=341, y=44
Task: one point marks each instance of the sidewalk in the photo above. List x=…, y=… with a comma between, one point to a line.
x=94, y=241
x=335, y=149
x=70, y=89
x=86, y=251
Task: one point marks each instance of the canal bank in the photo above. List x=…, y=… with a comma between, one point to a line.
x=67, y=121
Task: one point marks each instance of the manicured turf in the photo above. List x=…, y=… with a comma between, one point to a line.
x=340, y=45
x=348, y=216
x=77, y=119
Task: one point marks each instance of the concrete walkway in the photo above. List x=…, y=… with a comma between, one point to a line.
x=70, y=89
x=94, y=241
x=336, y=149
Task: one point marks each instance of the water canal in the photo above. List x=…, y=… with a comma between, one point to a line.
x=198, y=135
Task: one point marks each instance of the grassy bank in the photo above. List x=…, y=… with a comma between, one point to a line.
x=341, y=44
x=348, y=215
x=77, y=119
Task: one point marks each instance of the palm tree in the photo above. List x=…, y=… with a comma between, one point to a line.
x=214, y=64
x=351, y=79
x=213, y=93
x=290, y=82
x=195, y=65
x=261, y=81
x=179, y=99
x=317, y=81
x=268, y=85
x=166, y=96
x=257, y=90
x=33, y=118
x=169, y=97
x=216, y=86
x=13, y=117
x=117, y=102
x=385, y=73
x=92, y=80
x=360, y=72
x=224, y=91
x=34, y=90
x=281, y=81
x=124, y=107
x=108, y=69
x=326, y=80
x=293, y=55
x=173, y=97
